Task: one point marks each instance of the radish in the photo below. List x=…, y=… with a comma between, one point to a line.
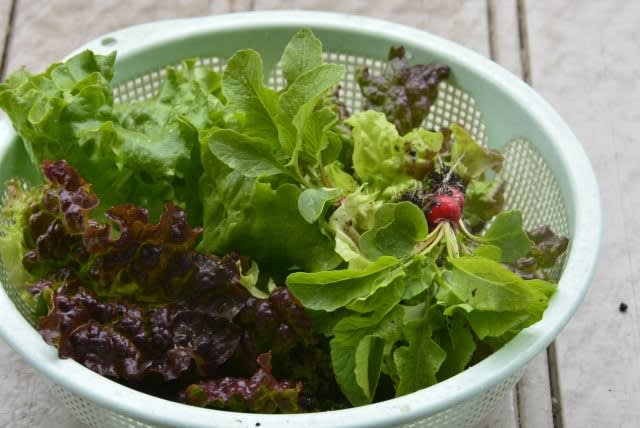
x=445, y=208
x=456, y=193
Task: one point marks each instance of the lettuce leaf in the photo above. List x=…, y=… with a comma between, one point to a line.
x=382, y=158
x=143, y=152
x=261, y=393
x=404, y=92
x=262, y=180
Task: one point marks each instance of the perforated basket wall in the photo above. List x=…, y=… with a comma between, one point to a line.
x=530, y=187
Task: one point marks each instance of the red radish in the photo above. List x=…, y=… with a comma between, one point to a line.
x=456, y=194
x=444, y=208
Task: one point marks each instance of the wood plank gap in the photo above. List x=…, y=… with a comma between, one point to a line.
x=523, y=33
x=552, y=360
x=491, y=26
x=554, y=382
x=7, y=39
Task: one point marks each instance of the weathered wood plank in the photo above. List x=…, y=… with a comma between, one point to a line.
x=230, y=6
x=534, y=395
x=503, y=34
x=582, y=60
x=461, y=21
x=5, y=16
x=45, y=31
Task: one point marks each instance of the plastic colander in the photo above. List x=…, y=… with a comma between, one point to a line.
x=548, y=177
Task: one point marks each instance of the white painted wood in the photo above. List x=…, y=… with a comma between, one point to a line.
x=584, y=61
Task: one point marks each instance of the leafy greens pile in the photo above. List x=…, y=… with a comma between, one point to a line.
x=362, y=274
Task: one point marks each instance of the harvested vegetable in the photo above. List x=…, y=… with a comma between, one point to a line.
x=376, y=256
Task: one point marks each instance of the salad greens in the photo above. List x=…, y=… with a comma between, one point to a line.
x=377, y=257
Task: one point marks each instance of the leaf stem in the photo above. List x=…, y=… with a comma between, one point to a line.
x=451, y=241
x=468, y=234
x=431, y=241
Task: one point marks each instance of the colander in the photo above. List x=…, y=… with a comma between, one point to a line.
x=548, y=174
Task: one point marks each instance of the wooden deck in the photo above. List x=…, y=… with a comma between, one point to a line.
x=582, y=56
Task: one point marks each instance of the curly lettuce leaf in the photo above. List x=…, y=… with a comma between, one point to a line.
x=132, y=342
x=382, y=158
x=470, y=159
x=547, y=246
x=261, y=393
x=14, y=219
x=404, y=93
x=546, y=250
x=142, y=152
x=261, y=220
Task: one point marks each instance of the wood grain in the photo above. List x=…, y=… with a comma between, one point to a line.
x=458, y=20
x=45, y=31
x=583, y=61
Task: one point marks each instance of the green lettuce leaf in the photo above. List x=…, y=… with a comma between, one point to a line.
x=302, y=53
x=311, y=202
x=260, y=220
x=251, y=157
x=495, y=301
x=459, y=345
x=484, y=199
x=143, y=152
x=417, y=363
x=296, y=107
x=14, y=218
x=397, y=228
x=382, y=158
x=330, y=290
x=471, y=159
x=247, y=95
x=355, y=354
x=506, y=232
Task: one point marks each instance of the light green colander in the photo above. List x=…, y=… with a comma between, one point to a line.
x=548, y=174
